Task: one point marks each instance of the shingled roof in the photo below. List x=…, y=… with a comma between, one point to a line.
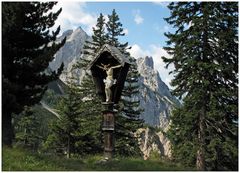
x=115, y=52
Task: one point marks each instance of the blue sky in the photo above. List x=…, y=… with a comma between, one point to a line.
x=143, y=20
x=143, y=24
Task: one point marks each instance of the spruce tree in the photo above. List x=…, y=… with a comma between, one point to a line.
x=91, y=118
x=27, y=129
x=98, y=38
x=92, y=104
x=126, y=143
x=78, y=131
x=127, y=121
x=63, y=134
x=114, y=31
x=204, y=51
x=91, y=47
x=28, y=47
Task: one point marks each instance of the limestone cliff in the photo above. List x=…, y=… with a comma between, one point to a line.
x=153, y=142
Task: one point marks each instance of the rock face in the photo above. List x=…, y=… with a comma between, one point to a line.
x=155, y=97
x=152, y=142
x=70, y=52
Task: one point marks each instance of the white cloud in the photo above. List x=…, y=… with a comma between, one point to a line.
x=137, y=17
x=136, y=51
x=125, y=31
x=161, y=3
x=156, y=52
x=74, y=15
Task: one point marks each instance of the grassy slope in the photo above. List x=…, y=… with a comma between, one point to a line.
x=22, y=160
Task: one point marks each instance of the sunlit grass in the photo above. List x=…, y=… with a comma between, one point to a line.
x=16, y=159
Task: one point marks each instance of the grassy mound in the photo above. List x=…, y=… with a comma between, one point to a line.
x=16, y=159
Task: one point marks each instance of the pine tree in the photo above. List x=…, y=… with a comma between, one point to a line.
x=27, y=129
x=91, y=119
x=92, y=104
x=89, y=50
x=26, y=54
x=204, y=51
x=78, y=131
x=63, y=134
x=127, y=122
x=98, y=38
x=91, y=47
x=114, y=31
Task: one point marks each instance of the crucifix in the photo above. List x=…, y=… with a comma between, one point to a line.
x=109, y=69
x=109, y=81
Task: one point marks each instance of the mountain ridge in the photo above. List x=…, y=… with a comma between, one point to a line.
x=155, y=97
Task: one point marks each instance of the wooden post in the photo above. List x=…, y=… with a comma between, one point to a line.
x=108, y=127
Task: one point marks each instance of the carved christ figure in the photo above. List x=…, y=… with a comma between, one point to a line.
x=109, y=81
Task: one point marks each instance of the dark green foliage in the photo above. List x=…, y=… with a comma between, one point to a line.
x=98, y=38
x=92, y=118
x=128, y=120
x=28, y=129
x=51, y=98
x=26, y=54
x=31, y=127
x=92, y=104
x=114, y=31
x=63, y=136
x=183, y=134
x=78, y=129
x=204, y=51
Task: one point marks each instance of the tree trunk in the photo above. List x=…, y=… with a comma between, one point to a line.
x=7, y=129
x=200, y=163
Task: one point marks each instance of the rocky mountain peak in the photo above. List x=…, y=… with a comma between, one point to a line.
x=72, y=49
x=66, y=33
x=79, y=33
x=154, y=94
x=148, y=61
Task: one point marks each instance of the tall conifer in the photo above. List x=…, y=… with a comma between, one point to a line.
x=127, y=121
x=27, y=129
x=98, y=40
x=64, y=129
x=114, y=31
x=204, y=51
x=77, y=131
x=91, y=105
x=28, y=47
